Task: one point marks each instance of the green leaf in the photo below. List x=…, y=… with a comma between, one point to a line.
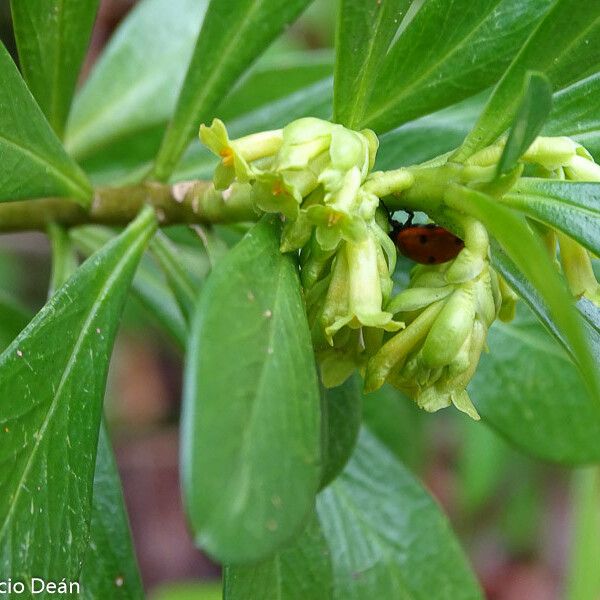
x=52, y=380
x=528, y=389
x=52, y=37
x=527, y=252
x=589, y=312
x=64, y=259
x=387, y=536
x=179, y=280
x=234, y=33
x=569, y=206
x=591, y=323
x=429, y=136
x=565, y=47
x=110, y=568
x=576, y=113
x=251, y=437
x=134, y=85
x=531, y=115
x=34, y=164
x=365, y=31
x=583, y=577
x=273, y=78
x=341, y=414
x=149, y=288
x=300, y=572
x=447, y=52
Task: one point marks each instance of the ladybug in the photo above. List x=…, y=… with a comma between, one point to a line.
x=425, y=244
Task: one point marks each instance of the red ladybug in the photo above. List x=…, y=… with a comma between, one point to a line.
x=426, y=244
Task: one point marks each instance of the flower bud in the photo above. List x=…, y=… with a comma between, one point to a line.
x=450, y=329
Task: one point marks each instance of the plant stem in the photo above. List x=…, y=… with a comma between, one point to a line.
x=186, y=202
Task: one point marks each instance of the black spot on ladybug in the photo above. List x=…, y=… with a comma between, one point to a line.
x=431, y=260
x=423, y=239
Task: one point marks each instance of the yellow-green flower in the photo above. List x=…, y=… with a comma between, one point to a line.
x=236, y=155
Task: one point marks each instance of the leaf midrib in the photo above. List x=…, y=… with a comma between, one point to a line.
x=410, y=89
x=246, y=433
x=161, y=162
x=383, y=544
x=39, y=159
x=361, y=94
x=94, y=310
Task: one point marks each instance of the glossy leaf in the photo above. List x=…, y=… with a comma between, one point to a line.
x=583, y=578
x=365, y=31
x=429, y=136
x=569, y=206
x=233, y=35
x=576, y=113
x=34, y=164
x=532, y=113
x=447, y=52
x=251, y=437
x=52, y=38
x=528, y=389
x=110, y=569
x=591, y=323
x=341, y=414
x=565, y=47
x=52, y=380
x=134, y=85
x=387, y=536
x=300, y=572
x=273, y=78
x=527, y=252
x=588, y=311
x=149, y=288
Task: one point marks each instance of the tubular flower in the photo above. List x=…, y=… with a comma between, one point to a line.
x=346, y=289
x=237, y=155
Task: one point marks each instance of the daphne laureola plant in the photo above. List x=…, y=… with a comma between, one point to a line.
x=427, y=339
x=272, y=257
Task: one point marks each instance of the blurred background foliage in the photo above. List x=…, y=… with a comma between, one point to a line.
x=516, y=516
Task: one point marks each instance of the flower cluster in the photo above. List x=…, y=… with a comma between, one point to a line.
x=427, y=339
x=313, y=173
x=448, y=309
